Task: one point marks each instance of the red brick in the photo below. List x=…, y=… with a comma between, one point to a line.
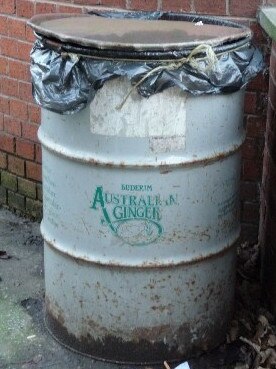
x=17, y=28
x=249, y=150
x=259, y=35
x=262, y=101
x=260, y=142
x=38, y=153
x=259, y=83
x=10, y=87
x=143, y=4
x=29, y=131
x=4, y=105
x=9, y=47
x=25, y=8
x=250, y=103
x=25, y=91
x=272, y=68
x=266, y=57
x=266, y=182
x=249, y=233
x=25, y=149
x=3, y=160
x=244, y=8
x=24, y=50
x=217, y=7
x=249, y=191
x=15, y=49
x=176, y=5
x=272, y=92
x=273, y=46
x=3, y=65
x=34, y=112
x=115, y=3
x=27, y=188
x=269, y=174
x=87, y=2
x=34, y=208
x=1, y=121
x=19, y=70
x=271, y=118
x=6, y=142
x=39, y=192
x=16, y=165
x=7, y=6
x=18, y=109
x=251, y=170
x=271, y=171
x=12, y=126
x=3, y=25
x=250, y=212
x=33, y=171
x=69, y=9
x=16, y=201
x=255, y=126
x=42, y=7
x=30, y=34
x=271, y=143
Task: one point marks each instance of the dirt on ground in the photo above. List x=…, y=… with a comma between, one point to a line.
x=25, y=343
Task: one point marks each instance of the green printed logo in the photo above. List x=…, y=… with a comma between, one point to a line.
x=135, y=219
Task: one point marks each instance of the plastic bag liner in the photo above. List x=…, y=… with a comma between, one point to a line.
x=66, y=77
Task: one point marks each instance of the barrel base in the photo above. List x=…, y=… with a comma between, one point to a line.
x=115, y=350
x=135, y=315
x=111, y=349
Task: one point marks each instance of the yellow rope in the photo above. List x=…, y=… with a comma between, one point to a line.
x=191, y=59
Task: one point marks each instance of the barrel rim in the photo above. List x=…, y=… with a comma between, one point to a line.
x=56, y=246
x=162, y=164
x=129, y=49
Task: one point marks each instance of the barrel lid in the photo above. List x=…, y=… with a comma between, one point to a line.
x=134, y=34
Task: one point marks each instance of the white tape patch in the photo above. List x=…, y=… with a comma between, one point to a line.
x=161, y=115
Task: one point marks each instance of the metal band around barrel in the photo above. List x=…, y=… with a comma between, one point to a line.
x=78, y=258
x=172, y=162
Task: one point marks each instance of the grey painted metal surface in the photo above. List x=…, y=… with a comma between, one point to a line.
x=141, y=217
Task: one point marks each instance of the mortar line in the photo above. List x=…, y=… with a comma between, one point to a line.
x=128, y=4
x=227, y=7
x=159, y=4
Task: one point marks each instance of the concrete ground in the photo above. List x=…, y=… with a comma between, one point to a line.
x=24, y=341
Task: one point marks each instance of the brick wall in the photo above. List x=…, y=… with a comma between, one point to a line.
x=20, y=155
x=268, y=192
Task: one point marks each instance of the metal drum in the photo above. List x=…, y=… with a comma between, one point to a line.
x=141, y=220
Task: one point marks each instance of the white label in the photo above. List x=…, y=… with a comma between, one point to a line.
x=161, y=115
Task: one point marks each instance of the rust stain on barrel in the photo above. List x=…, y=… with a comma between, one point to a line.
x=145, y=346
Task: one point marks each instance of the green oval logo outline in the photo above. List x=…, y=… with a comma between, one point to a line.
x=143, y=231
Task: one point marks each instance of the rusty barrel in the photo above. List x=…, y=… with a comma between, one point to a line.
x=141, y=217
